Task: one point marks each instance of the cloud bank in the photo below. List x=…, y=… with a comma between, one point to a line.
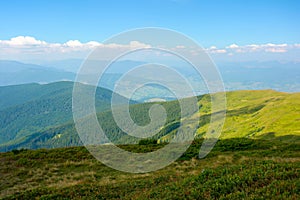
x=269, y=47
x=26, y=47
x=30, y=47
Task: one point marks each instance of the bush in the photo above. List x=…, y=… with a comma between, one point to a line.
x=17, y=151
x=147, y=141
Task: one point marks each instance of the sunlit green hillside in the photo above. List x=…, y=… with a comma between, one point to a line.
x=256, y=114
x=261, y=114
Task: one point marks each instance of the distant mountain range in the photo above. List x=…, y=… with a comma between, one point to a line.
x=280, y=76
x=13, y=73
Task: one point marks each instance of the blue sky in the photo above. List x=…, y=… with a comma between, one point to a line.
x=210, y=22
x=228, y=29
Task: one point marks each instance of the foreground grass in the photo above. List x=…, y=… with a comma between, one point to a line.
x=235, y=169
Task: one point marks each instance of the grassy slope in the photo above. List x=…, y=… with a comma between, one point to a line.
x=235, y=169
x=256, y=114
x=277, y=113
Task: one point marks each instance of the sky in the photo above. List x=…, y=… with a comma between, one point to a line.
x=223, y=27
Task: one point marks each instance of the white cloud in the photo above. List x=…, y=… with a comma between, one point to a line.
x=217, y=51
x=137, y=44
x=269, y=47
x=73, y=43
x=276, y=50
x=22, y=40
x=29, y=47
x=93, y=43
x=232, y=46
x=27, y=41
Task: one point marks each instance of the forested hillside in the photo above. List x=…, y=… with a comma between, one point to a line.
x=27, y=110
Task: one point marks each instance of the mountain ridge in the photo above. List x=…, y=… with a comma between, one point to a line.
x=248, y=115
